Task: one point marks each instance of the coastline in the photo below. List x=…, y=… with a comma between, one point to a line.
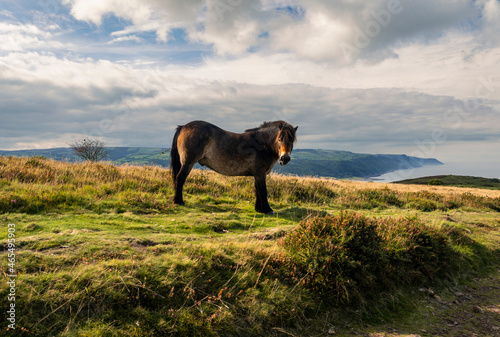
x=485, y=170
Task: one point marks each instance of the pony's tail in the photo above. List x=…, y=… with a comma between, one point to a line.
x=175, y=159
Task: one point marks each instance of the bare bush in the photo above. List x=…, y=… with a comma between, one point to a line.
x=89, y=149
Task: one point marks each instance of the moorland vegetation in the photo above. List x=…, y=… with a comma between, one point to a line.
x=101, y=250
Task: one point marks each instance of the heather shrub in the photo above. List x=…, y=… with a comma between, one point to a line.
x=418, y=254
x=351, y=258
x=494, y=204
x=339, y=257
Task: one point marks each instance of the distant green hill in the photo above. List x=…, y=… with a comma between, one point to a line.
x=305, y=162
x=453, y=180
x=118, y=155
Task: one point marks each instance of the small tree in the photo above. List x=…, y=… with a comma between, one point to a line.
x=436, y=182
x=89, y=149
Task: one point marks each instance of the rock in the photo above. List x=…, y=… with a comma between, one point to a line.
x=332, y=331
x=428, y=291
x=477, y=309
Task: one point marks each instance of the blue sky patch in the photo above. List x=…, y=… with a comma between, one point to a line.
x=296, y=12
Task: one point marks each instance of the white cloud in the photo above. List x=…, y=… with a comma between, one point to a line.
x=490, y=34
x=347, y=31
x=133, y=38
x=93, y=10
x=316, y=38
x=335, y=31
x=132, y=106
x=7, y=14
x=145, y=15
x=19, y=37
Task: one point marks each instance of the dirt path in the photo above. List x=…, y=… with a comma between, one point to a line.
x=472, y=311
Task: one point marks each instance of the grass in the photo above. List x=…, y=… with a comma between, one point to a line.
x=456, y=180
x=102, y=251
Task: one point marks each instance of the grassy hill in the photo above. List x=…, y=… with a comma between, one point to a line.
x=455, y=180
x=118, y=155
x=305, y=162
x=101, y=250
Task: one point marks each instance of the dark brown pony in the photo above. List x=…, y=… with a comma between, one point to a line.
x=252, y=153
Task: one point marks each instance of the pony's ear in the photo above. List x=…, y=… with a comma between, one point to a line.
x=281, y=126
x=296, y=128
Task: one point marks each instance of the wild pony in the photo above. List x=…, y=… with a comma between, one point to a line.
x=252, y=153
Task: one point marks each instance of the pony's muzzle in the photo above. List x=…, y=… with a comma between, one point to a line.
x=284, y=159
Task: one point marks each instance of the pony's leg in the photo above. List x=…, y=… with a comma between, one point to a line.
x=179, y=182
x=261, y=203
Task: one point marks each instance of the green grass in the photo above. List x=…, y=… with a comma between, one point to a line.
x=454, y=180
x=102, y=251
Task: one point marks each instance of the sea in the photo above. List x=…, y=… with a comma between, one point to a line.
x=485, y=170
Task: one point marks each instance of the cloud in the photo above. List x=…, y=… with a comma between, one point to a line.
x=130, y=38
x=43, y=96
x=19, y=37
x=144, y=15
x=93, y=10
x=489, y=34
x=340, y=32
x=344, y=32
x=54, y=100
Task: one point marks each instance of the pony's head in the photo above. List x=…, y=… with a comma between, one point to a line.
x=285, y=139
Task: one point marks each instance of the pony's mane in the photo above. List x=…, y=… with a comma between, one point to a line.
x=288, y=130
x=260, y=127
x=289, y=133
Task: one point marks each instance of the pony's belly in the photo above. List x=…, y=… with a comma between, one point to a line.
x=228, y=168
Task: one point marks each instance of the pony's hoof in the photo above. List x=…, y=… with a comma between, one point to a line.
x=269, y=211
x=180, y=203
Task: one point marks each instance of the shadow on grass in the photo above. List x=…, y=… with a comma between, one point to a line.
x=293, y=213
x=290, y=213
x=299, y=213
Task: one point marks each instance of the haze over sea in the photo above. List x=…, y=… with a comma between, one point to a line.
x=483, y=169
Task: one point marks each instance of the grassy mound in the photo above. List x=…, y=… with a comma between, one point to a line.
x=351, y=258
x=455, y=180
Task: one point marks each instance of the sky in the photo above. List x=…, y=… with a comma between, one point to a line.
x=420, y=78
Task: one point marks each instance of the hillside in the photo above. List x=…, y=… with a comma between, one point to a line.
x=305, y=162
x=119, y=155
x=344, y=164
x=101, y=250
x=455, y=180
